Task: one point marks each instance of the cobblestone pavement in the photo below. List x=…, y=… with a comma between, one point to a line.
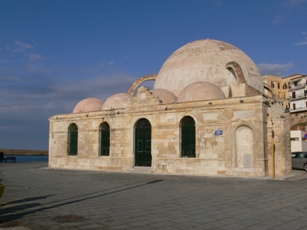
x=37, y=198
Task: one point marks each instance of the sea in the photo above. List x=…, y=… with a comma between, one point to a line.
x=29, y=158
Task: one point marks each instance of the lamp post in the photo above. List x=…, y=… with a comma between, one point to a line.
x=273, y=156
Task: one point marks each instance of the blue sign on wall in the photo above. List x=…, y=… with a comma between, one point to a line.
x=218, y=132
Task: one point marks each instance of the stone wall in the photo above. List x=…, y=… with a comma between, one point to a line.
x=299, y=118
x=215, y=154
x=278, y=122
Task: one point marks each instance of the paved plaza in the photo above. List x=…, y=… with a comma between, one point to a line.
x=40, y=198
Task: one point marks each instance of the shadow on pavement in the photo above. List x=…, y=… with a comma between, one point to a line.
x=26, y=200
x=13, y=213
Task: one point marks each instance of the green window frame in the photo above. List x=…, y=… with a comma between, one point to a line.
x=188, y=137
x=104, y=132
x=73, y=140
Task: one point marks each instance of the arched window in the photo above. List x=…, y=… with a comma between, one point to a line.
x=187, y=128
x=104, y=133
x=233, y=72
x=73, y=140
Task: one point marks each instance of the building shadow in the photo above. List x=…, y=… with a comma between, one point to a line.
x=15, y=212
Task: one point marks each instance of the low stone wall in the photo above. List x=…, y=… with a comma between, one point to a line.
x=298, y=118
x=22, y=152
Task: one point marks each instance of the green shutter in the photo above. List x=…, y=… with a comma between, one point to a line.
x=73, y=143
x=105, y=142
x=188, y=137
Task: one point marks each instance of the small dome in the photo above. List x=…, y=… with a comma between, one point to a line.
x=206, y=60
x=165, y=95
x=200, y=91
x=117, y=101
x=88, y=105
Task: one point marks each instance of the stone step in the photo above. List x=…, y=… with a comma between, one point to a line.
x=138, y=169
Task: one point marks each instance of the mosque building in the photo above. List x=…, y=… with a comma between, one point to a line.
x=206, y=115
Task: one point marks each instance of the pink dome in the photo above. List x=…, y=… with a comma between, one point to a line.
x=164, y=95
x=88, y=105
x=200, y=91
x=206, y=60
x=117, y=101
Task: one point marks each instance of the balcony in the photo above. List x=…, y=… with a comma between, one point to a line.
x=293, y=87
x=297, y=97
x=298, y=109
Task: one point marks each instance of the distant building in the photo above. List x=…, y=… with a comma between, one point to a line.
x=207, y=114
x=298, y=94
x=279, y=88
x=292, y=92
x=298, y=141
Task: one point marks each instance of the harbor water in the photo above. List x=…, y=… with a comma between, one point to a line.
x=20, y=159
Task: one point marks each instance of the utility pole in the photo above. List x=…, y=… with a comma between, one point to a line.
x=273, y=156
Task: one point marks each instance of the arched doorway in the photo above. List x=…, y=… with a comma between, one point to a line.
x=187, y=127
x=142, y=143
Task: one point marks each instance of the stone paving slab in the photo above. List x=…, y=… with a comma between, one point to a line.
x=40, y=198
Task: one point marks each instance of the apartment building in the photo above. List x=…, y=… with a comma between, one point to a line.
x=298, y=94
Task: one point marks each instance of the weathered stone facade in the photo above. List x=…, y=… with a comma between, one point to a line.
x=298, y=120
x=215, y=155
x=232, y=136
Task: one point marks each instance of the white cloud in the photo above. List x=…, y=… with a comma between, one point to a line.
x=23, y=45
x=31, y=93
x=274, y=69
x=278, y=19
x=3, y=61
x=101, y=87
x=289, y=9
x=302, y=43
x=18, y=47
x=295, y=2
x=113, y=62
x=35, y=57
x=35, y=70
x=9, y=79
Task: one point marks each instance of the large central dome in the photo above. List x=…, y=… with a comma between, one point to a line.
x=206, y=60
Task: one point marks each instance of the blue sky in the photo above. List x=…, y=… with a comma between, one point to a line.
x=54, y=53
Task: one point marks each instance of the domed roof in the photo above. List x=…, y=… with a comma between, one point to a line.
x=88, y=105
x=117, y=101
x=165, y=95
x=199, y=91
x=206, y=60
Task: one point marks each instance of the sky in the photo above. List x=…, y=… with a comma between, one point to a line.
x=55, y=53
